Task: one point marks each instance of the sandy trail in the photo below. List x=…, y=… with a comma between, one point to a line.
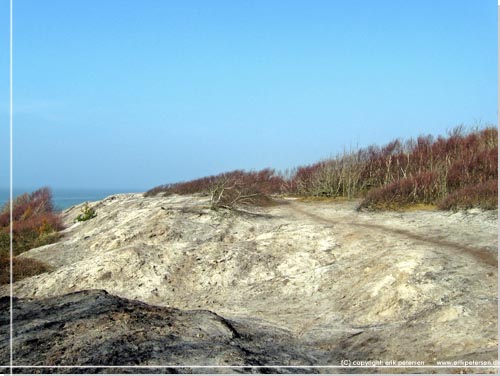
x=483, y=255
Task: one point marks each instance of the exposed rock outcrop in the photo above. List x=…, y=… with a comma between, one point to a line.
x=95, y=328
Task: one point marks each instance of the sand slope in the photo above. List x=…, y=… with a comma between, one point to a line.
x=419, y=285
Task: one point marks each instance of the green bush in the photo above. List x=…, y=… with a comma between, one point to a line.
x=87, y=212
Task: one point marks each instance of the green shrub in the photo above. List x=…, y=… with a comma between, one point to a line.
x=87, y=212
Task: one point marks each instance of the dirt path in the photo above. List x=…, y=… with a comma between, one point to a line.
x=482, y=255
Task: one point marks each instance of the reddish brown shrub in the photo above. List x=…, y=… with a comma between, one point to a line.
x=473, y=167
x=483, y=195
x=242, y=187
x=21, y=267
x=398, y=168
x=35, y=222
x=422, y=188
x=28, y=206
x=422, y=170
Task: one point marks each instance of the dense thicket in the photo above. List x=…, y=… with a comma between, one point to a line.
x=457, y=171
x=427, y=170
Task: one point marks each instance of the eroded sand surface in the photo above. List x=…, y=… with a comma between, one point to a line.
x=418, y=285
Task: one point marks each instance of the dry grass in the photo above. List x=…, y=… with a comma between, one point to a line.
x=322, y=199
x=420, y=207
x=22, y=268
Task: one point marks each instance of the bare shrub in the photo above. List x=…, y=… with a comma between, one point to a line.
x=230, y=189
x=396, y=173
x=241, y=189
x=421, y=170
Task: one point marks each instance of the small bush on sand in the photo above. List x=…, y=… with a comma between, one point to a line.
x=87, y=212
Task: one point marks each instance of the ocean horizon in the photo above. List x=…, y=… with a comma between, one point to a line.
x=64, y=198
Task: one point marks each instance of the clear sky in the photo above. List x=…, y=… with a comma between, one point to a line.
x=136, y=93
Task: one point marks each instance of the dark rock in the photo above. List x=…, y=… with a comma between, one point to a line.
x=94, y=328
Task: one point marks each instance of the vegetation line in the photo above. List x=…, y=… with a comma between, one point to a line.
x=459, y=171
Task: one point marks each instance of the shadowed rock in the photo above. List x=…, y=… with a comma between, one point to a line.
x=95, y=328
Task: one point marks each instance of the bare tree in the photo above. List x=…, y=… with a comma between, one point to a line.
x=228, y=192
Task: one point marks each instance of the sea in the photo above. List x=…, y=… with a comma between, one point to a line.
x=65, y=198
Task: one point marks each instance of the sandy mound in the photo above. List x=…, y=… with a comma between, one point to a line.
x=418, y=285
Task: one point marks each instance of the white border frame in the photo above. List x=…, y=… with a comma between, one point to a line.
x=11, y=230
x=11, y=366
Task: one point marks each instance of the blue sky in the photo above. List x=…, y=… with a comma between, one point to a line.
x=132, y=94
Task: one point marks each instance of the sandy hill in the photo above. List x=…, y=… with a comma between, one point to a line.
x=337, y=283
